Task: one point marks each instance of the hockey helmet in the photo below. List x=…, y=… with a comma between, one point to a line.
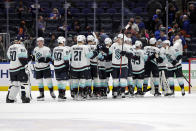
x=61, y=40
x=108, y=41
x=167, y=42
x=153, y=41
x=138, y=43
x=90, y=38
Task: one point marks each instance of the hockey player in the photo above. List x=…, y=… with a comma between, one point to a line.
x=93, y=65
x=119, y=63
x=137, y=63
x=80, y=67
x=151, y=66
x=42, y=57
x=17, y=55
x=174, y=57
x=128, y=41
x=61, y=66
x=108, y=62
x=162, y=65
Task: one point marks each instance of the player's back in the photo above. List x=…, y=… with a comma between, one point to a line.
x=138, y=64
x=151, y=50
x=92, y=48
x=59, y=54
x=79, y=59
x=14, y=53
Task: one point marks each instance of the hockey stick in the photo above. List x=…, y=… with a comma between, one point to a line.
x=184, y=77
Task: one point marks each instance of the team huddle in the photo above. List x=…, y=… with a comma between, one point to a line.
x=87, y=66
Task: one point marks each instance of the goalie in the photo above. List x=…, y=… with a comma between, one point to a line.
x=17, y=55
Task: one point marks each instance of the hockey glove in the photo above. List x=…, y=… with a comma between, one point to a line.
x=123, y=53
x=41, y=60
x=174, y=62
x=159, y=59
x=48, y=60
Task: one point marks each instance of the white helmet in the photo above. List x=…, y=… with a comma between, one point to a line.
x=40, y=39
x=167, y=42
x=90, y=38
x=120, y=36
x=80, y=38
x=128, y=39
x=61, y=40
x=115, y=39
x=108, y=41
x=138, y=43
x=153, y=41
x=84, y=38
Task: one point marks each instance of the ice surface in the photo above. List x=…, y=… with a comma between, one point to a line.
x=131, y=114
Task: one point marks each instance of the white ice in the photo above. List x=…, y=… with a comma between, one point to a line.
x=131, y=114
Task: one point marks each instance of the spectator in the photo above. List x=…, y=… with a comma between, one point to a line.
x=41, y=26
x=2, y=49
x=171, y=14
x=76, y=26
x=156, y=22
x=175, y=28
x=178, y=17
x=133, y=26
x=192, y=13
x=139, y=22
x=22, y=8
x=64, y=27
x=52, y=42
x=177, y=37
x=55, y=15
x=22, y=29
x=152, y=5
x=157, y=32
x=32, y=9
x=186, y=24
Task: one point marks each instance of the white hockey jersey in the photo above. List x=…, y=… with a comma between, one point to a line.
x=41, y=52
x=15, y=52
x=115, y=50
x=163, y=65
x=171, y=54
x=80, y=57
x=60, y=54
x=93, y=61
x=150, y=50
x=138, y=64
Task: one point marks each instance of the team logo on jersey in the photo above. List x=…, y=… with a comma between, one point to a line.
x=117, y=54
x=38, y=55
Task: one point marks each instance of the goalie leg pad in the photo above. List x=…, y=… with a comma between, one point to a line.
x=25, y=90
x=14, y=89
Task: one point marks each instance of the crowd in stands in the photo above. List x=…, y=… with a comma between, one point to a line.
x=147, y=19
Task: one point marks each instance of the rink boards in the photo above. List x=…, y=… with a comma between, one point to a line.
x=4, y=77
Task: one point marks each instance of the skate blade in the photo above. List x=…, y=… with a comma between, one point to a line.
x=42, y=99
